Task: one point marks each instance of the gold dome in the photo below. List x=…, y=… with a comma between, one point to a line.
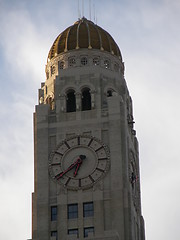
x=84, y=34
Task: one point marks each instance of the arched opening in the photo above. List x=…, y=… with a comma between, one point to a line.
x=109, y=93
x=86, y=99
x=71, y=101
x=50, y=101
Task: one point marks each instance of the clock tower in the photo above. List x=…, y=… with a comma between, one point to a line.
x=86, y=158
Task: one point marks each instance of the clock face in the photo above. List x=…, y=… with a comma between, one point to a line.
x=79, y=162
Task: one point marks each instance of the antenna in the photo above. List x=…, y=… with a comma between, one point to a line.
x=79, y=14
x=82, y=8
x=90, y=9
x=94, y=9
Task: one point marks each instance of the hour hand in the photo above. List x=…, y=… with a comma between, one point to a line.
x=77, y=168
x=79, y=162
x=61, y=174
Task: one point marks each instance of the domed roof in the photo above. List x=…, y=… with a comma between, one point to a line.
x=84, y=34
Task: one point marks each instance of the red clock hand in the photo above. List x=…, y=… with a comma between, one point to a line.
x=77, y=168
x=58, y=176
x=77, y=162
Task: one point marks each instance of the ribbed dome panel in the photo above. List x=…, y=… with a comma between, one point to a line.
x=94, y=37
x=105, y=40
x=84, y=34
x=62, y=42
x=72, y=38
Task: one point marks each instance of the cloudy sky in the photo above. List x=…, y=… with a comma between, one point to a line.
x=148, y=34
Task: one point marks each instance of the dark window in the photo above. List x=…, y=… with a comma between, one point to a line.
x=111, y=93
x=53, y=70
x=61, y=65
x=53, y=213
x=88, y=209
x=72, y=211
x=96, y=61
x=71, y=101
x=86, y=100
x=84, y=61
x=106, y=64
x=88, y=230
x=54, y=234
x=73, y=232
x=72, y=62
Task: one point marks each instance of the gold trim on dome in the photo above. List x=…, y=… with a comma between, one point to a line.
x=84, y=34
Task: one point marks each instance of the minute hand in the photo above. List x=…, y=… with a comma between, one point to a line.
x=58, y=176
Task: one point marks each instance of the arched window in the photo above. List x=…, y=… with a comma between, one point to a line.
x=71, y=101
x=71, y=61
x=61, y=65
x=96, y=61
x=84, y=61
x=111, y=93
x=53, y=70
x=86, y=99
x=107, y=64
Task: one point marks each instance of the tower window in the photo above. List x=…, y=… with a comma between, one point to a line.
x=61, y=65
x=72, y=62
x=111, y=93
x=84, y=61
x=116, y=67
x=73, y=232
x=86, y=99
x=88, y=230
x=54, y=234
x=53, y=69
x=54, y=213
x=96, y=61
x=72, y=211
x=107, y=64
x=71, y=101
x=88, y=209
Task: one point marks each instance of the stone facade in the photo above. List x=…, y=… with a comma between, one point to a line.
x=115, y=196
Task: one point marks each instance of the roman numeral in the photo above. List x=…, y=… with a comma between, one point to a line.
x=79, y=182
x=99, y=169
x=55, y=164
x=99, y=149
x=78, y=140
x=91, y=178
x=90, y=142
x=59, y=153
x=67, y=145
x=105, y=158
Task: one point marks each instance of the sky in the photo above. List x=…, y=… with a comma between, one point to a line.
x=148, y=34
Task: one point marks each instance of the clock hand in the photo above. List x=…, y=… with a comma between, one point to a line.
x=61, y=174
x=77, y=168
x=77, y=162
